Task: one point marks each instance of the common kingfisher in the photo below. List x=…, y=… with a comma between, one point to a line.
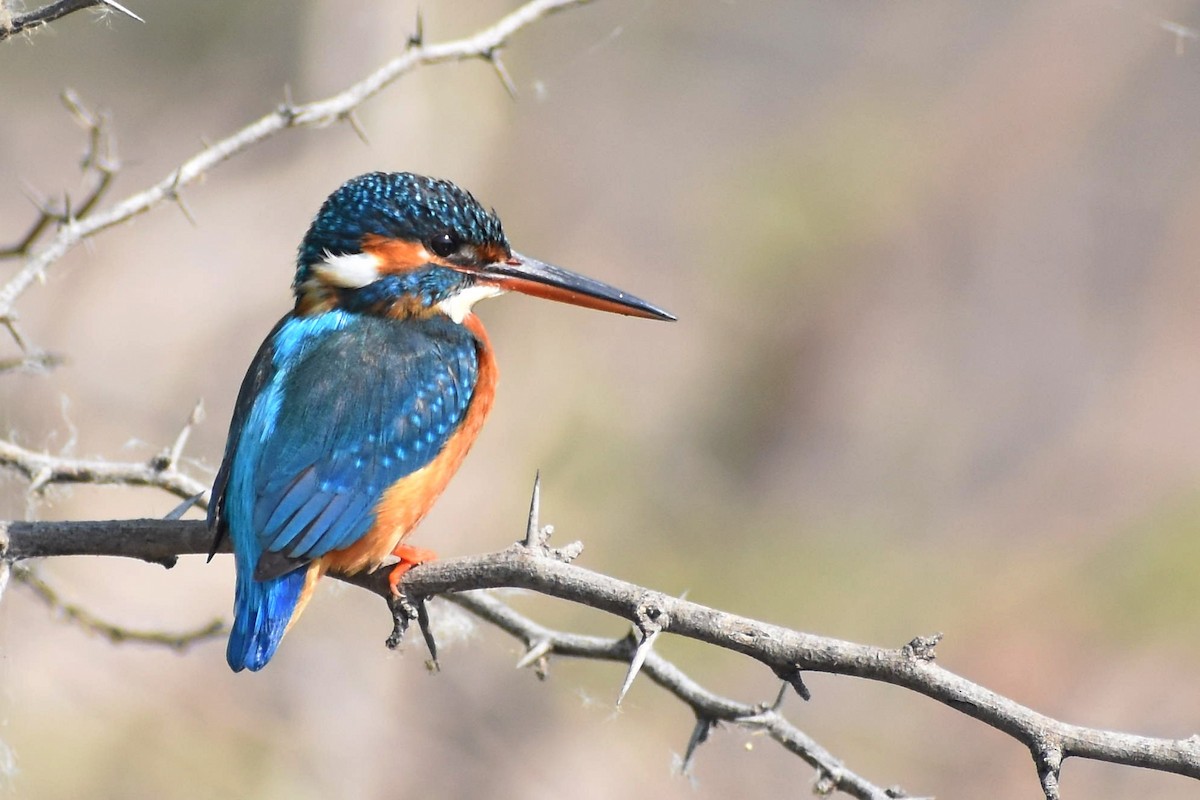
x=364, y=399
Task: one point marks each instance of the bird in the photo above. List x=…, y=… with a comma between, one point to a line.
x=364, y=399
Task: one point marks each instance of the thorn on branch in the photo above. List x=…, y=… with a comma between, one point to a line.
x=534, y=538
x=700, y=732
x=356, y=126
x=115, y=6
x=792, y=676
x=10, y=322
x=644, y=646
x=537, y=537
x=287, y=109
x=178, y=511
x=538, y=654
x=173, y=194
x=493, y=58
x=427, y=634
x=778, y=704
x=417, y=37
x=68, y=217
x=651, y=621
x=39, y=480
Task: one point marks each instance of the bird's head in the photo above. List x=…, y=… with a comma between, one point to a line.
x=407, y=245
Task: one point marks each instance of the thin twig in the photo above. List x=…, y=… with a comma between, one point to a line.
x=36, y=363
x=116, y=634
x=43, y=469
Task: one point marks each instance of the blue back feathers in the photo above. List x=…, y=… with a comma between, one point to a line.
x=335, y=409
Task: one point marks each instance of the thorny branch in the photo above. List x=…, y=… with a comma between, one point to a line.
x=162, y=471
x=784, y=651
x=161, y=540
x=99, y=165
x=74, y=228
x=11, y=24
x=708, y=707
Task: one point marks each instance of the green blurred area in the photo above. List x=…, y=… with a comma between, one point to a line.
x=935, y=370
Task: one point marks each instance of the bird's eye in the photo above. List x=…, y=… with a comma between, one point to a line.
x=444, y=244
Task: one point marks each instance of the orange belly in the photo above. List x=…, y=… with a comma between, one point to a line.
x=406, y=501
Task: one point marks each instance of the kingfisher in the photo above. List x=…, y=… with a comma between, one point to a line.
x=365, y=398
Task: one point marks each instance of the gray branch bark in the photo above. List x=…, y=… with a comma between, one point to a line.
x=20, y=23
x=787, y=653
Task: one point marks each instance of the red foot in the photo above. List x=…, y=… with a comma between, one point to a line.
x=409, y=557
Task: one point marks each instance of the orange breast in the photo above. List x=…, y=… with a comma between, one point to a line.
x=407, y=500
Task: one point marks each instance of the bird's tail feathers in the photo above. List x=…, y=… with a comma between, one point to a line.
x=262, y=611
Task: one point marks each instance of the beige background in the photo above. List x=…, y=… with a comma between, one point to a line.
x=936, y=369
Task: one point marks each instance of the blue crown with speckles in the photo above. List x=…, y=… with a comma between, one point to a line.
x=396, y=205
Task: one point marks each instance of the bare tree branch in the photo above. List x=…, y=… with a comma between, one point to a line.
x=43, y=469
x=340, y=107
x=162, y=540
x=99, y=166
x=785, y=652
x=51, y=11
x=709, y=708
x=116, y=634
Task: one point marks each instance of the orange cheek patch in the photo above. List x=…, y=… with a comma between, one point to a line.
x=491, y=252
x=396, y=255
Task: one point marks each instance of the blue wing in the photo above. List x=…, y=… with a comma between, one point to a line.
x=351, y=404
x=260, y=373
x=334, y=409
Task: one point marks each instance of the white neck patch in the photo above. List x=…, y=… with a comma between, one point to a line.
x=457, y=306
x=348, y=271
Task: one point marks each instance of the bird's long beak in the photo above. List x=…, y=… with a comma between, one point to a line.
x=527, y=275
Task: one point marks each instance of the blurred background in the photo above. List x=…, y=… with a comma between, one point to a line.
x=935, y=370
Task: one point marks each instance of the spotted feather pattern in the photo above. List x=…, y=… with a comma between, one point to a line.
x=379, y=401
x=393, y=205
x=335, y=409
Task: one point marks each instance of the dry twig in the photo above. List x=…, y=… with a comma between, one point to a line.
x=116, y=634
x=485, y=45
x=43, y=469
x=32, y=20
